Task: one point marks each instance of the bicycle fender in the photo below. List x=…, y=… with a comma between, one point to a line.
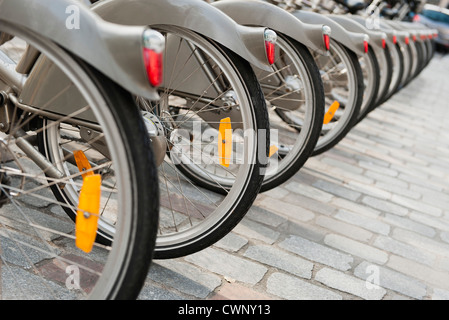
x=351, y=25
x=390, y=32
x=194, y=15
x=398, y=25
x=95, y=41
x=352, y=40
x=259, y=13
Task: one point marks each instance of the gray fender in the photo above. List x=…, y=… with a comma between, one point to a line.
x=351, y=25
x=400, y=25
x=390, y=32
x=95, y=41
x=194, y=15
x=260, y=13
x=401, y=35
x=351, y=40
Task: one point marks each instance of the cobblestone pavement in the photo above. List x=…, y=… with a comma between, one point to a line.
x=373, y=210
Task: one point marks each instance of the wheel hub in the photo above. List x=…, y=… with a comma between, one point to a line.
x=293, y=83
x=157, y=135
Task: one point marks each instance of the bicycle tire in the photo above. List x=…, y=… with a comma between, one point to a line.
x=371, y=76
x=386, y=74
x=399, y=66
x=420, y=59
x=414, y=59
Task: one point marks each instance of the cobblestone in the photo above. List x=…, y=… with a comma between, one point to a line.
x=281, y=260
x=343, y=282
x=356, y=248
x=291, y=288
x=390, y=279
x=317, y=252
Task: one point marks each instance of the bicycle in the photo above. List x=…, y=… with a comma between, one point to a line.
x=390, y=81
x=211, y=122
x=68, y=128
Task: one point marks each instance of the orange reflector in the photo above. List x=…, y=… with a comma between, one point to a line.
x=82, y=163
x=273, y=150
x=331, y=112
x=225, y=142
x=88, y=211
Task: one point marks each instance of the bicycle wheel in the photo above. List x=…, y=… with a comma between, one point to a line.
x=371, y=81
x=407, y=55
x=386, y=73
x=418, y=58
x=294, y=94
x=343, y=82
x=210, y=162
x=422, y=56
x=397, y=72
x=414, y=62
x=43, y=254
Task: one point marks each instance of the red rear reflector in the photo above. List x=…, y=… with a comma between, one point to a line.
x=414, y=38
x=153, y=47
x=395, y=39
x=327, y=41
x=365, y=46
x=270, y=45
x=326, y=37
x=154, y=66
x=270, y=49
x=407, y=40
x=383, y=44
x=416, y=18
